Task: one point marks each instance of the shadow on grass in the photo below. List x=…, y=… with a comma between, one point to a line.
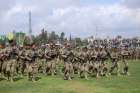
x=2, y=79
x=17, y=78
x=37, y=78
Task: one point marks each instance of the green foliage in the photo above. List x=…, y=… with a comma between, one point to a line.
x=26, y=41
x=19, y=36
x=62, y=36
x=78, y=42
x=2, y=39
x=41, y=38
x=53, y=36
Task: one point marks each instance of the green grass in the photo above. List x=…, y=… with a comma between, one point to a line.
x=49, y=84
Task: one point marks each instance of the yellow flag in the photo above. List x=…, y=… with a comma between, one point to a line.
x=10, y=36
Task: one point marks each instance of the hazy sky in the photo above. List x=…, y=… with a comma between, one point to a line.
x=77, y=17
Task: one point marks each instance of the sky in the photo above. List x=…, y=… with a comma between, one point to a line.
x=80, y=18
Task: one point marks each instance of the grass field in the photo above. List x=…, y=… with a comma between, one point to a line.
x=49, y=84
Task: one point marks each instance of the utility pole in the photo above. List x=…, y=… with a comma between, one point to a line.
x=30, y=27
x=30, y=23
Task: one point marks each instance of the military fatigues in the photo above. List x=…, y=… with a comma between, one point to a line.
x=51, y=64
x=68, y=66
x=103, y=64
x=11, y=64
x=115, y=62
x=84, y=64
x=125, y=54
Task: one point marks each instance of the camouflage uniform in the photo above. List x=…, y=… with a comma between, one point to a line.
x=103, y=64
x=42, y=60
x=125, y=54
x=84, y=67
x=51, y=64
x=76, y=62
x=68, y=67
x=115, y=61
x=31, y=64
x=11, y=65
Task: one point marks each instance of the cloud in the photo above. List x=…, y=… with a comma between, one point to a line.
x=72, y=17
x=83, y=21
x=15, y=16
x=5, y=5
x=131, y=3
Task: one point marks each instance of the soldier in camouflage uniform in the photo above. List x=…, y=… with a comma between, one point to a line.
x=93, y=61
x=11, y=64
x=50, y=56
x=41, y=60
x=4, y=60
x=125, y=54
x=84, y=63
x=103, y=64
x=22, y=61
x=31, y=64
x=1, y=60
x=76, y=61
x=115, y=61
x=68, y=67
x=91, y=58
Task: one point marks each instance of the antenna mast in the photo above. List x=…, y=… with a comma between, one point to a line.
x=30, y=24
x=30, y=27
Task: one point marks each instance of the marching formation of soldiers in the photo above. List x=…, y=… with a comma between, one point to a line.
x=21, y=61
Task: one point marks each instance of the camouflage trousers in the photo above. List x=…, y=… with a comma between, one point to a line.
x=68, y=71
x=32, y=71
x=76, y=67
x=125, y=67
x=103, y=69
x=21, y=67
x=92, y=67
x=50, y=67
x=84, y=67
x=11, y=69
x=41, y=65
x=115, y=64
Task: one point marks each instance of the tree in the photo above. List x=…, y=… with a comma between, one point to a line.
x=27, y=41
x=78, y=42
x=41, y=38
x=44, y=36
x=62, y=36
x=52, y=36
x=19, y=36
